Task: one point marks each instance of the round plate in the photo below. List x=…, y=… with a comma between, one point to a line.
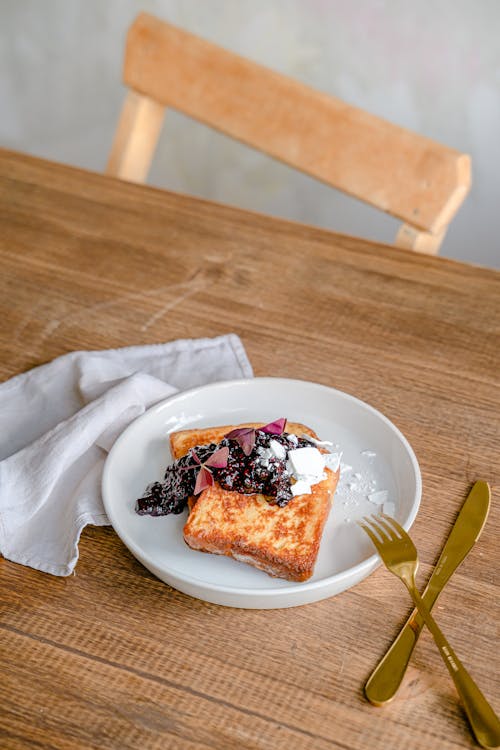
x=377, y=463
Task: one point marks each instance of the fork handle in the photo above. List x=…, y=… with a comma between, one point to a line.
x=385, y=680
x=483, y=720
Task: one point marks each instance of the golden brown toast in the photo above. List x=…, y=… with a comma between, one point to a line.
x=282, y=541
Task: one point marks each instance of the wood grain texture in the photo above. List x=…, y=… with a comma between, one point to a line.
x=405, y=174
x=112, y=657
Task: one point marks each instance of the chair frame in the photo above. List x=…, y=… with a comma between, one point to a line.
x=407, y=175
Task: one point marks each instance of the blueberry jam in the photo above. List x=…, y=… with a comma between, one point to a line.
x=171, y=495
x=262, y=472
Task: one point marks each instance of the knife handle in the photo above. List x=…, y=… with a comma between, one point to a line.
x=484, y=722
x=385, y=680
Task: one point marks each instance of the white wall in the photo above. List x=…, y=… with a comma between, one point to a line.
x=430, y=66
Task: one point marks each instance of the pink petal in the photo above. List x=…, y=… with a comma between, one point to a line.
x=218, y=459
x=238, y=432
x=203, y=480
x=195, y=457
x=245, y=437
x=247, y=442
x=274, y=428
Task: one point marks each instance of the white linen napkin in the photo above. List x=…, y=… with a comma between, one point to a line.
x=57, y=422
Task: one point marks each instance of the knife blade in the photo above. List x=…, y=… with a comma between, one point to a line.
x=385, y=680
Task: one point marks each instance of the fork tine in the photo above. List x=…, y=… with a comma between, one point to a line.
x=372, y=536
x=376, y=527
x=379, y=521
x=403, y=535
x=395, y=525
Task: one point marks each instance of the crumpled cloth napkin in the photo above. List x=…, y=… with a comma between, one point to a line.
x=58, y=421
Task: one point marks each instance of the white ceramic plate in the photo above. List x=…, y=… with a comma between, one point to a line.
x=376, y=458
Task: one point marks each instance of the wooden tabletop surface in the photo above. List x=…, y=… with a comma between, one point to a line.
x=112, y=657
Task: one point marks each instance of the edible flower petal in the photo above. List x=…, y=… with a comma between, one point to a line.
x=218, y=459
x=274, y=428
x=245, y=437
x=204, y=479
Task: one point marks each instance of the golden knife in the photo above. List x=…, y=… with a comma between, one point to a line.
x=384, y=682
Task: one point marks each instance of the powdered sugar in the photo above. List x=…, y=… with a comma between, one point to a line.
x=359, y=491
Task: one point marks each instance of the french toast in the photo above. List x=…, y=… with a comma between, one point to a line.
x=282, y=541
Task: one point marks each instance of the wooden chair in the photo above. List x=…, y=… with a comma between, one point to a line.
x=407, y=175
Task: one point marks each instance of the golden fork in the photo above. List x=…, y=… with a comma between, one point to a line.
x=400, y=556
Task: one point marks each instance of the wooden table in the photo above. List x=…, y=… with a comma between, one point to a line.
x=112, y=657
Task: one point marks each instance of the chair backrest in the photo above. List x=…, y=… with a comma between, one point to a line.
x=404, y=174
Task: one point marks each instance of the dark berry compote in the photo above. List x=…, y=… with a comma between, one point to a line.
x=263, y=471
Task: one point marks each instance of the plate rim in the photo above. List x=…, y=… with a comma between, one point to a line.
x=359, y=568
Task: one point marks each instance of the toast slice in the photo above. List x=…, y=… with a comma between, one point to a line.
x=282, y=541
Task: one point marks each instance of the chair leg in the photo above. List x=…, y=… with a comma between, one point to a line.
x=423, y=242
x=135, y=138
